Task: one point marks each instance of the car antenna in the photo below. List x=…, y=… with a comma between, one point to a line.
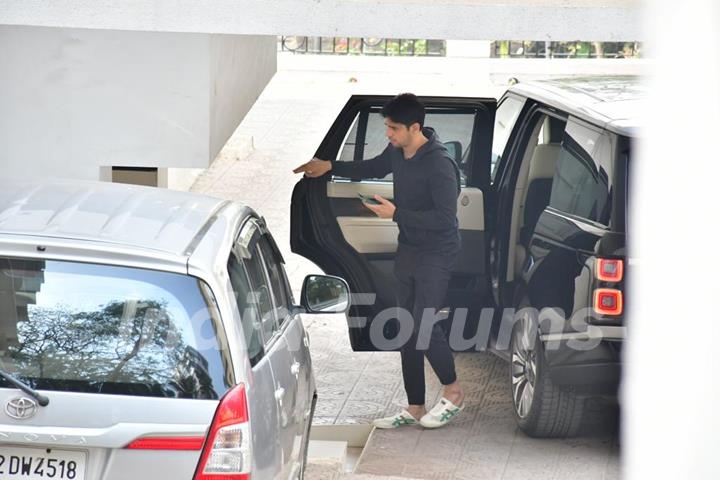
x=42, y=400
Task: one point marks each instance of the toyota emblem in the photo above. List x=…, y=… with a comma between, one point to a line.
x=21, y=408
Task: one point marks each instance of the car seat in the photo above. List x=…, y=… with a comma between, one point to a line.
x=537, y=197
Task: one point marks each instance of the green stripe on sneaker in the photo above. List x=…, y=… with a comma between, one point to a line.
x=448, y=414
x=401, y=421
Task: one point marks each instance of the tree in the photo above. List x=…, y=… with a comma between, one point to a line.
x=133, y=345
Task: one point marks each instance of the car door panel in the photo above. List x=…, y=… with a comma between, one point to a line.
x=269, y=295
x=291, y=367
x=352, y=189
x=292, y=370
x=263, y=410
x=331, y=227
x=265, y=417
x=286, y=397
x=289, y=364
x=367, y=233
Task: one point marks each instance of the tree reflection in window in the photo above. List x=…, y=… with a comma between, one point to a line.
x=124, y=346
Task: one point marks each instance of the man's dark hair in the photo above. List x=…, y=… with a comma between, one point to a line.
x=406, y=109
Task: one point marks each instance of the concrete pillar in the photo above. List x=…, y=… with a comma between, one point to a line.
x=75, y=100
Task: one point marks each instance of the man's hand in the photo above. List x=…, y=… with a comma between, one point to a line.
x=314, y=168
x=386, y=209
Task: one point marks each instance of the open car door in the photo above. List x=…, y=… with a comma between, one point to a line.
x=331, y=227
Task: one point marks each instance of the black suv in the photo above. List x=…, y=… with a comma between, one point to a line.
x=543, y=218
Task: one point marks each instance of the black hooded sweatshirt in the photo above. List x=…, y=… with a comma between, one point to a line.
x=425, y=192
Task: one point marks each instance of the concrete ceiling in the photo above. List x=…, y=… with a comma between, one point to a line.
x=608, y=20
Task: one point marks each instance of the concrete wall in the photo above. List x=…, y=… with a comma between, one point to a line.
x=72, y=100
x=252, y=62
x=611, y=20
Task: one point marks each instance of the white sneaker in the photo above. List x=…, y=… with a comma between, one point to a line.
x=441, y=414
x=401, y=419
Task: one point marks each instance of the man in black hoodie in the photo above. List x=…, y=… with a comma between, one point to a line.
x=426, y=184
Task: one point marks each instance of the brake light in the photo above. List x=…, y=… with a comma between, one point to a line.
x=609, y=270
x=608, y=301
x=167, y=443
x=227, y=454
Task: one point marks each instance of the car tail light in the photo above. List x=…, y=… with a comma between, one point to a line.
x=167, y=443
x=227, y=454
x=608, y=301
x=609, y=270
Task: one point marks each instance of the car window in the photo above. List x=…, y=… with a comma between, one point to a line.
x=583, y=178
x=249, y=314
x=262, y=296
x=366, y=138
x=506, y=115
x=277, y=279
x=83, y=327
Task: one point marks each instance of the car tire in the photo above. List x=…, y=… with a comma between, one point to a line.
x=541, y=408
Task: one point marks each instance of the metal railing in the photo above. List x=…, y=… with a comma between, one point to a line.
x=362, y=46
x=530, y=49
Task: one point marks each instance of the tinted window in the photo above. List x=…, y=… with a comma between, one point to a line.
x=582, y=182
x=261, y=290
x=454, y=128
x=507, y=113
x=248, y=309
x=105, y=329
x=277, y=280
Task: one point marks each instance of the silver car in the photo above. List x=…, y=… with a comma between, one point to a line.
x=146, y=334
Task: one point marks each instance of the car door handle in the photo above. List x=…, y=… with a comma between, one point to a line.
x=279, y=394
x=295, y=369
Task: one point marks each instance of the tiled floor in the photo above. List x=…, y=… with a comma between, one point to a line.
x=285, y=126
x=485, y=443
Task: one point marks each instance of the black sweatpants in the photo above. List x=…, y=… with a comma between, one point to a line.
x=423, y=282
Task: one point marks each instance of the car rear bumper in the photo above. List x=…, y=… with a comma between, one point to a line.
x=571, y=360
x=609, y=333
x=596, y=378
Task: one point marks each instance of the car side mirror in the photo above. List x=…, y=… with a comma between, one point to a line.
x=325, y=294
x=455, y=149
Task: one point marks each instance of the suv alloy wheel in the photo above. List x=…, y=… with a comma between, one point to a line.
x=541, y=408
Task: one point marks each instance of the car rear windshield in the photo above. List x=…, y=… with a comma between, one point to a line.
x=81, y=327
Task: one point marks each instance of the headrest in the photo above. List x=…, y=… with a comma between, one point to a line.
x=553, y=130
x=543, y=161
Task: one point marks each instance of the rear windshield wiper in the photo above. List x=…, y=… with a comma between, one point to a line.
x=42, y=400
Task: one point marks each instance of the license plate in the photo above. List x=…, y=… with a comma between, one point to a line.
x=41, y=464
